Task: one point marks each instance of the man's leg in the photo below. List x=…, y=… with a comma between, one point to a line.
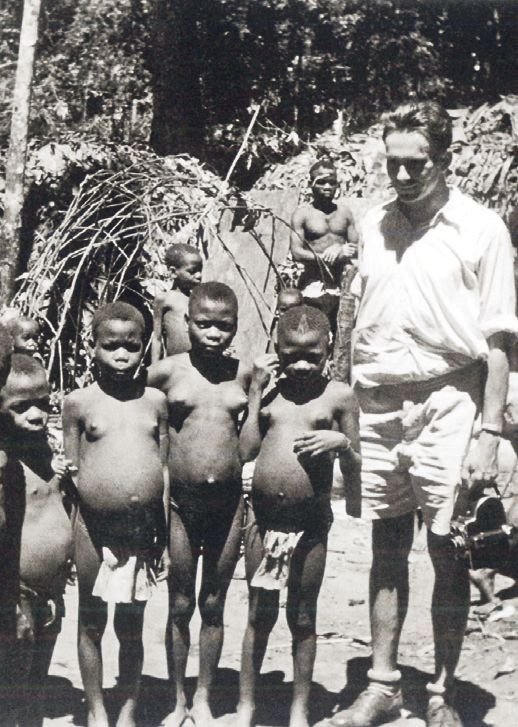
x=450, y=606
x=391, y=543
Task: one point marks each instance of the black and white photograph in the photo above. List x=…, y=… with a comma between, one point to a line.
x=258, y=363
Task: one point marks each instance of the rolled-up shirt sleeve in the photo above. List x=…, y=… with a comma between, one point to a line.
x=496, y=280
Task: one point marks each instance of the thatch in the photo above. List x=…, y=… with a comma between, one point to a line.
x=110, y=242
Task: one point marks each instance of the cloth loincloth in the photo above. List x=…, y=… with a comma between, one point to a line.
x=274, y=569
x=124, y=576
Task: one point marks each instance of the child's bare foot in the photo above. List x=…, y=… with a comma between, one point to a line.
x=176, y=718
x=127, y=714
x=298, y=719
x=98, y=718
x=245, y=716
x=201, y=714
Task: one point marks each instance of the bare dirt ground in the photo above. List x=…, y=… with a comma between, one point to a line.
x=488, y=672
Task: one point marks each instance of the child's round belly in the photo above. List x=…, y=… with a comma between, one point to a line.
x=197, y=460
x=46, y=548
x=107, y=484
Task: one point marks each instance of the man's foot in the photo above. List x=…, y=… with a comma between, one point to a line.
x=371, y=708
x=298, y=720
x=441, y=714
x=201, y=714
x=97, y=718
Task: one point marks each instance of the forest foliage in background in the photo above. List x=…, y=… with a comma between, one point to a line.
x=185, y=75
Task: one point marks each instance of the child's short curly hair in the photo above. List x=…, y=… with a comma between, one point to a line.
x=118, y=311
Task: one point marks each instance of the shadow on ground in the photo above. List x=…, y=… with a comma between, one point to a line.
x=472, y=702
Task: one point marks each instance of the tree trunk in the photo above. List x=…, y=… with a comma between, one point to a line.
x=178, y=119
x=16, y=156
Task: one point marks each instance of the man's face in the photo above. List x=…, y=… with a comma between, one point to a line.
x=324, y=184
x=118, y=349
x=25, y=402
x=212, y=326
x=302, y=356
x=412, y=171
x=188, y=273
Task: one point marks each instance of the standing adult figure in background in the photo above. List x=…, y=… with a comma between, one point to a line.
x=429, y=362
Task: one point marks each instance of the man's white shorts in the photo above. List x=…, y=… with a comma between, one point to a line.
x=414, y=439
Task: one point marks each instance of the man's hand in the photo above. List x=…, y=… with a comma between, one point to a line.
x=332, y=253
x=482, y=469
x=264, y=368
x=319, y=441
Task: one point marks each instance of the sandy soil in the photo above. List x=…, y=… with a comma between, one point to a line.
x=488, y=672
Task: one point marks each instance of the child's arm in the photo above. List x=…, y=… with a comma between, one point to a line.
x=164, y=458
x=345, y=441
x=156, y=337
x=251, y=436
x=72, y=432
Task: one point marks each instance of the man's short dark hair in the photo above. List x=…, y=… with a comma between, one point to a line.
x=213, y=291
x=429, y=118
x=304, y=316
x=118, y=311
x=176, y=254
x=323, y=163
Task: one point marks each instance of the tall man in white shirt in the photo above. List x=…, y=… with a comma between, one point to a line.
x=429, y=363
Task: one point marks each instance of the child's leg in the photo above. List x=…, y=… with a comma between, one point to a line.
x=182, y=600
x=128, y=623
x=91, y=624
x=47, y=627
x=306, y=574
x=263, y=609
x=220, y=555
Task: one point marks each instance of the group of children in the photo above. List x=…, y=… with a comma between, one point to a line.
x=150, y=482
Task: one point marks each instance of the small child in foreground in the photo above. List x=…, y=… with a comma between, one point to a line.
x=116, y=434
x=296, y=432
x=286, y=299
x=39, y=536
x=170, y=309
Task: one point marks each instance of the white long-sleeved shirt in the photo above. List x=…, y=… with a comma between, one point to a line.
x=430, y=298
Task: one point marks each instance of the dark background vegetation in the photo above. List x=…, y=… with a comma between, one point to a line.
x=185, y=75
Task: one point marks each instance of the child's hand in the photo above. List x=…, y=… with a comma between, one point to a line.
x=265, y=367
x=164, y=566
x=320, y=441
x=62, y=466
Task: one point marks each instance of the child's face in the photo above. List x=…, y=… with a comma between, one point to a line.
x=188, y=273
x=25, y=402
x=25, y=338
x=288, y=299
x=118, y=349
x=212, y=326
x=302, y=356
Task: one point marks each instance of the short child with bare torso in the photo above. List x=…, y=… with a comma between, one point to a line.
x=39, y=537
x=323, y=239
x=170, y=309
x=116, y=433
x=296, y=430
x=206, y=392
